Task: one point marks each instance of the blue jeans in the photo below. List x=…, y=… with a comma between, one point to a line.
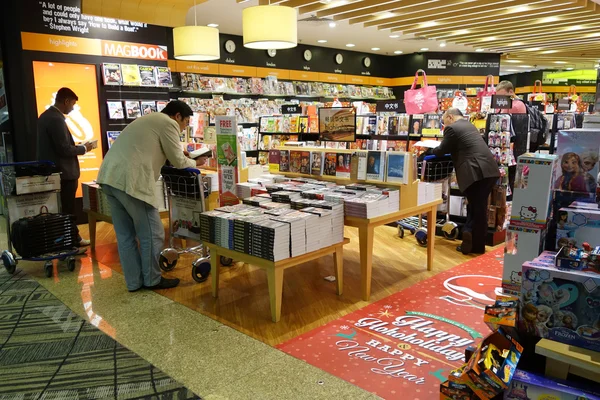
x=135, y=220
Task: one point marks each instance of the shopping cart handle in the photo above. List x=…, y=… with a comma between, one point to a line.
x=433, y=156
x=193, y=170
x=15, y=164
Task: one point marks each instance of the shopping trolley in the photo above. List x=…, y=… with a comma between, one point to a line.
x=432, y=169
x=53, y=235
x=186, y=191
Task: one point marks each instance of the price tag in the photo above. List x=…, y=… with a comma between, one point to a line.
x=390, y=106
x=501, y=102
x=291, y=109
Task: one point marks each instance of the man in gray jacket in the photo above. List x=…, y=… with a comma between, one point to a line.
x=55, y=143
x=476, y=173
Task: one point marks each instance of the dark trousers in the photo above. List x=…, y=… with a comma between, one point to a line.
x=68, y=190
x=477, y=223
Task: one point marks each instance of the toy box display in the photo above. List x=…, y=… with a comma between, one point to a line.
x=502, y=314
x=455, y=391
x=533, y=189
x=578, y=151
x=576, y=226
x=522, y=244
x=583, y=259
x=528, y=386
x=492, y=366
x=561, y=199
x=561, y=305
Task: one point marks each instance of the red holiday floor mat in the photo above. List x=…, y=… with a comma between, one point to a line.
x=404, y=345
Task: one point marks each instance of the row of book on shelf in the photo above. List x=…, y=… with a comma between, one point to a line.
x=133, y=108
x=393, y=125
x=136, y=75
x=196, y=83
x=382, y=166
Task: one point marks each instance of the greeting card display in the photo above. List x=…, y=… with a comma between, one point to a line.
x=422, y=100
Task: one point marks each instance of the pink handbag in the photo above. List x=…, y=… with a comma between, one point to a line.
x=485, y=96
x=423, y=100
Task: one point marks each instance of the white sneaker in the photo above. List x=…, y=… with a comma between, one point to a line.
x=84, y=243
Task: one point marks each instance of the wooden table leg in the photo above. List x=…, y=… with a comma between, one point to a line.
x=214, y=269
x=275, y=279
x=92, y=228
x=431, y=227
x=365, y=237
x=338, y=266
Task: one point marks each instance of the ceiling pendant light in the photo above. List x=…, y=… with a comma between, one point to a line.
x=196, y=43
x=270, y=27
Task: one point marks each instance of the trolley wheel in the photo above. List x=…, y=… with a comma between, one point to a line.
x=167, y=265
x=226, y=261
x=9, y=262
x=452, y=235
x=400, y=232
x=421, y=236
x=71, y=263
x=201, y=270
x=48, y=269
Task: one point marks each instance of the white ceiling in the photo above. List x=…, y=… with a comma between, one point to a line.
x=228, y=14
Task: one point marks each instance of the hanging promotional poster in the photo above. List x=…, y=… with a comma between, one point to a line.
x=226, y=132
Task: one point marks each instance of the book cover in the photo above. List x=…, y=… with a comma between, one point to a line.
x=264, y=124
x=112, y=74
x=263, y=159
x=305, y=163
x=431, y=125
x=295, y=161
x=371, y=126
x=416, y=126
x=316, y=164
x=286, y=124
x=284, y=161
x=397, y=165
x=148, y=107
x=278, y=124
x=294, y=123
x=360, y=121
x=362, y=165
x=131, y=75
x=392, y=126
x=115, y=110
x=329, y=167
x=163, y=77
x=382, y=125
x=270, y=125
x=274, y=160
x=133, y=109
x=396, y=145
x=111, y=136
x=343, y=166
x=403, y=124
x=147, y=75
x=376, y=165
x=331, y=145
x=160, y=105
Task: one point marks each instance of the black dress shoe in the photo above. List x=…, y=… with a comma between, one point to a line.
x=135, y=290
x=164, y=284
x=467, y=243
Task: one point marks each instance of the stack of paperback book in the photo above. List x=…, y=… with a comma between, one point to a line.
x=323, y=235
x=285, y=196
x=297, y=224
x=270, y=240
x=370, y=205
x=257, y=200
x=244, y=189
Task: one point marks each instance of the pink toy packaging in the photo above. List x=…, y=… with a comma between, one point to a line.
x=522, y=244
x=560, y=305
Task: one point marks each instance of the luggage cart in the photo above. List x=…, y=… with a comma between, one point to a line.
x=53, y=238
x=186, y=189
x=432, y=169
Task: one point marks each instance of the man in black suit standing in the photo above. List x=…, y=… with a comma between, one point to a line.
x=476, y=173
x=55, y=143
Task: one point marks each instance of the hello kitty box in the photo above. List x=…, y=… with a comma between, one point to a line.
x=532, y=197
x=523, y=244
x=560, y=305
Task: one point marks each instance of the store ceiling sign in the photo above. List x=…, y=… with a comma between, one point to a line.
x=501, y=102
x=93, y=47
x=390, y=106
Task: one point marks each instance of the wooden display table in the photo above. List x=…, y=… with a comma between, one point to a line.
x=366, y=228
x=275, y=269
x=562, y=359
x=94, y=217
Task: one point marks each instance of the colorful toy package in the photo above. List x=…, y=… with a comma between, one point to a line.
x=522, y=244
x=528, y=386
x=502, y=313
x=578, y=150
x=576, y=226
x=561, y=305
x=585, y=260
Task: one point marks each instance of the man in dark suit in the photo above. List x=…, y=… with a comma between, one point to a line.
x=55, y=143
x=476, y=173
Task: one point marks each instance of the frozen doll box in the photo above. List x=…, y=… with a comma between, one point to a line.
x=528, y=386
x=578, y=152
x=533, y=189
x=575, y=226
x=560, y=305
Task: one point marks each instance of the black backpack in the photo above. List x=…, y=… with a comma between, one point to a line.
x=538, y=127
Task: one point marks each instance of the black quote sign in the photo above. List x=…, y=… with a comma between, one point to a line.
x=540, y=106
x=291, y=109
x=390, y=106
x=501, y=102
x=563, y=105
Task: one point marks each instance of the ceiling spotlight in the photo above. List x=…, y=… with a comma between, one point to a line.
x=534, y=49
x=443, y=44
x=462, y=32
x=425, y=49
x=375, y=48
x=512, y=70
x=525, y=66
x=350, y=45
x=322, y=41
x=560, y=62
x=569, y=69
x=518, y=9
x=428, y=24
x=489, y=39
x=573, y=28
x=332, y=24
x=479, y=50
x=549, y=51
x=513, y=61
x=516, y=44
x=394, y=36
x=548, y=19
x=212, y=25
x=398, y=52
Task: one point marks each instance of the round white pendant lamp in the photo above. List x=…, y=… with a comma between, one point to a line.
x=270, y=27
x=196, y=43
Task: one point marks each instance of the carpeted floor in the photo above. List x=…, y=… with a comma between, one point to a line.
x=49, y=352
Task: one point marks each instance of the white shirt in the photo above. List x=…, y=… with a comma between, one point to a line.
x=134, y=161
